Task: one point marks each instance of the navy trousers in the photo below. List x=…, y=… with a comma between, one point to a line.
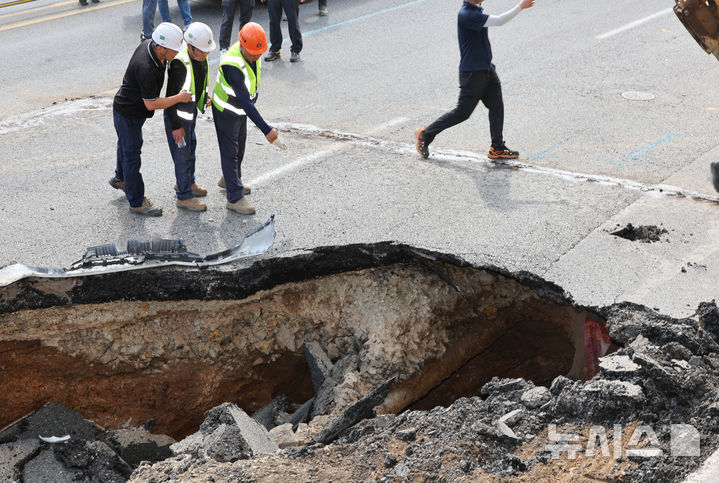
x=231, y=132
x=129, y=147
x=292, y=10
x=183, y=158
x=475, y=86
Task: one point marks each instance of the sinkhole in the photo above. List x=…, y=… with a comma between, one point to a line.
x=169, y=343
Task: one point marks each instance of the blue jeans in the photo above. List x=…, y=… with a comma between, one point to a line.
x=231, y=132
x=129, y=147
x=149, y=7
x=184, y=158
x=184, y=6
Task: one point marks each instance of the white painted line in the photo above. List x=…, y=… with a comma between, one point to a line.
x=311, y=158
x=630, y=26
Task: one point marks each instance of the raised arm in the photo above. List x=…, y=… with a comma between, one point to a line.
x=499, y=20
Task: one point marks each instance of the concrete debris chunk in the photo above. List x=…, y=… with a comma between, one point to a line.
x=135, y=445
x=268, y=414
x=325, y=397
x=617, y=364
x=512, y=417
x=14, y=455
x=499, y=385
x=408, y=435
x=226, y=444
x=351, y=415
x=319, y=364
x=559, y=383
x=224, y=426
x=506, y=431
x=681, y=363
x=50, y=419
x=536, y=397
x=45, y=467
x=615, y=389
x=96, y=461
x=302, y=414
x=284, y=436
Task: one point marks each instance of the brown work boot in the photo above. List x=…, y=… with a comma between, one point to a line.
x=421, y=145
x=193, y=204
x=198, y=191
x=118, y=184
x=222, y=185
x=147, y=208
x=241, y=206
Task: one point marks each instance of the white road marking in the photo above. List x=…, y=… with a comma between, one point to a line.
x=630, y=26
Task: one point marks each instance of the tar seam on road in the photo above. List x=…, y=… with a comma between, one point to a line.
x=453, y=155
x=34, y=118
x=636, y=23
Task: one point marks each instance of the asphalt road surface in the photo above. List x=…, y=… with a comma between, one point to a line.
x=612, y=104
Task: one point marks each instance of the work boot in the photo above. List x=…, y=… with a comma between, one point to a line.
x=420, y=144
x=272, y=56
x=198, y=191
x=117, y=184
x=294, y=57
x=222, y=185
x=323, y=11
x=241, y=206
x=715, y=175
x=193, y=204
x=502, y=152
x=147, y=208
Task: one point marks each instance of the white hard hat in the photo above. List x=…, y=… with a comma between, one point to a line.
x=199, y=35
x=168, y=35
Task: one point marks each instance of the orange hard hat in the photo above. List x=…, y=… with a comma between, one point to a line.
x=253, y=39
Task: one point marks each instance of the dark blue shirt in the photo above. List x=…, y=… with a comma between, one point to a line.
x=236, y=79
x=473, y=39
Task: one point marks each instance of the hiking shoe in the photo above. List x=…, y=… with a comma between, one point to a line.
x=323, y=11
x=502, y=153
x=272, y=56
x=193, y=204
x=147, y=208
x=118, y=184
x=295, y=57
x=241, y=206
x=715, y=175
x=222, y=185
x=198, y=191
x=422, y=147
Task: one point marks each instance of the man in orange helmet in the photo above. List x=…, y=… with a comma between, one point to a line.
x=238, y=80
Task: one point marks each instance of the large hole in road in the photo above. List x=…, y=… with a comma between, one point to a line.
x=169, y=344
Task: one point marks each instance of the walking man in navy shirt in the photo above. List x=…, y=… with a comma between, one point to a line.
x=478, y=80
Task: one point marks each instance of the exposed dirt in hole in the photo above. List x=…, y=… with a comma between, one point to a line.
x=642, y=233
x=210, y=336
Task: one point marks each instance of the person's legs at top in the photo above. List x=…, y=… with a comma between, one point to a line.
x=228, y=19
x=231, y=133
x=246, y=9
x=492, y=99
x=184, y=6
x=292, y=10
x=322, y=6
x=274, y=10
x=181, y=160
x=472, y=86
x=164, y=9
x=129, y=139
x=149, y=7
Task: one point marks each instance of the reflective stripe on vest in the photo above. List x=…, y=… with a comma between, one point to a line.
x=186, y=110
x=224, y=96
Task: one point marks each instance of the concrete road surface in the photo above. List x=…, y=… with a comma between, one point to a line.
x=612, y=104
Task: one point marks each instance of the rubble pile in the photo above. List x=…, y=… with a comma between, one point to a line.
x=459, y=373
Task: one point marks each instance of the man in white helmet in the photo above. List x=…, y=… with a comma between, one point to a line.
x=188, y=71
x=136, y=102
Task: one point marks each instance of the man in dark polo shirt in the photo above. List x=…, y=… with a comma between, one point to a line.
x=135, y=102
x=478, y=80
